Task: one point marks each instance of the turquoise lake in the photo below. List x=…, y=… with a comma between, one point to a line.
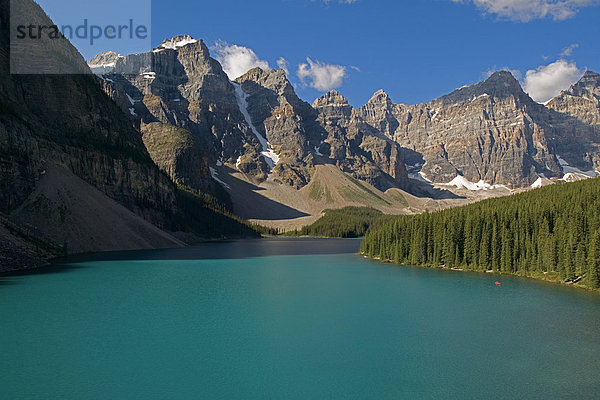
x=290, y=319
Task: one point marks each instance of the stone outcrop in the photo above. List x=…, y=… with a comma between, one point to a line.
x=179, y=85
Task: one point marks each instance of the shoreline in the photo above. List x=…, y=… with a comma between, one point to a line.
x=58, y=262
x=573, y=284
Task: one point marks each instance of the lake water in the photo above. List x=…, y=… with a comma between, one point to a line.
x=290, y=319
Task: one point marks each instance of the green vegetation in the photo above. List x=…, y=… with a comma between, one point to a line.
x=363, y=193
x=551, y=233
x=348, y=222
x=318, y=191
x=396, y=195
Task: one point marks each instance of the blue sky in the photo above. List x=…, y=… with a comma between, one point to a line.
x=415, y=50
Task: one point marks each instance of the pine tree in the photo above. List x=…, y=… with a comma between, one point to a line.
x=593, y=269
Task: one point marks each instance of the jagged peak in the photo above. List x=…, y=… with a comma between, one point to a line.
x=590, y=79
x=105, y=59
x=380, y=97
x=590, y=75
x=331, y=98
x=271, y=77
x=500, y=84
x=176, y=42
x=588, y=84
x=502, y=75
x=253, y=74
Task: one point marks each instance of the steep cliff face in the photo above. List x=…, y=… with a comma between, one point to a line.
x=582, y=100
x=487, y=131
x=68, y=120
x=75, y=173
x=491, y=133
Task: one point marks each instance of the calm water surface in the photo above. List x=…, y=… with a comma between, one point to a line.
x=290, y=319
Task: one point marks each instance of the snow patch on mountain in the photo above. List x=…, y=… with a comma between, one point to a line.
x=270, y=156
x=215, y=176
x=176, y=43
x=460, y=182
x=574, y=173
x=537, y=183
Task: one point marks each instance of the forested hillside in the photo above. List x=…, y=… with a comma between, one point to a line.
x=347, y=222
x=551, y=233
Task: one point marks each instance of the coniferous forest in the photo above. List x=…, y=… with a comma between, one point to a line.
x=347, y=222
x=551, y=233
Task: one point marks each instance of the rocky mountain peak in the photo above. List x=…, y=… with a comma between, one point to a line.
x=591, y=75
x=105, y=59
x=582, y=100
x=274, y=80
x=589, y=83
x=255, y=74
x=104, y=62
x=177, y=42
x=500, y=85
x=331, y=98
x=380, y=97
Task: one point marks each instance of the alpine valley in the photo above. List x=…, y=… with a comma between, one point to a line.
x=162, y=149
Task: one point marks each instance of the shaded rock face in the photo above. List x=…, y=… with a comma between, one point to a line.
x=357, y=147
x=491, y=131
x=177, y=152
x=44, y=54
x=68, y=120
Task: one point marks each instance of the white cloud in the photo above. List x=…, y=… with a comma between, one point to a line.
x=283, y=64
x=547, y=81
x=237, y=60
x=322, y=76
x=527, y=10
x=568, y=51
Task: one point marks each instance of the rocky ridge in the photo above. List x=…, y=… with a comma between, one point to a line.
x=256, y=123
x=489, y=134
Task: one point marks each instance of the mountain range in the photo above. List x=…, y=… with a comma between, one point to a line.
x=484, y=137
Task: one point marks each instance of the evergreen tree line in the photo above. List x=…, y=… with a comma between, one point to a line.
x=552, y=232
x=347, y=222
